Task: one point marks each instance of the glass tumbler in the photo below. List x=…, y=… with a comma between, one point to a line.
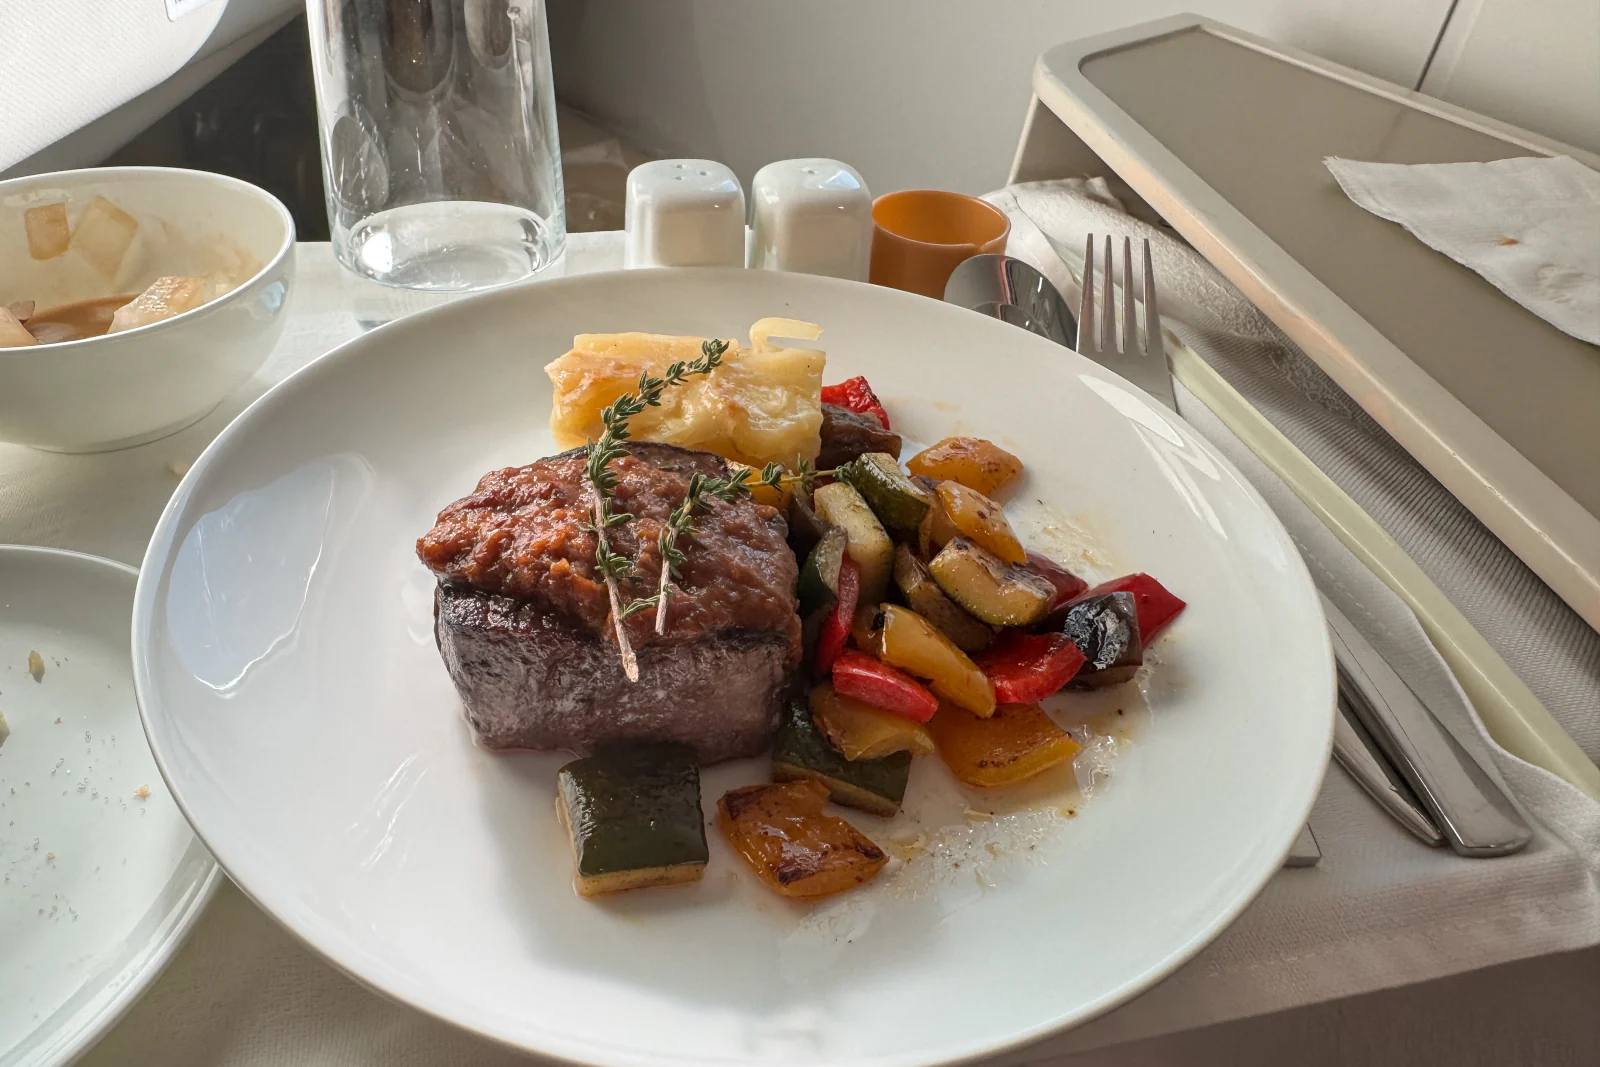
x=438, y=130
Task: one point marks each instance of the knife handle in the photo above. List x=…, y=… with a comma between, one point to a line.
x=1476, y=817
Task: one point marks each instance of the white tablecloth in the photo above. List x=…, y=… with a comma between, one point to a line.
x=1380, y=911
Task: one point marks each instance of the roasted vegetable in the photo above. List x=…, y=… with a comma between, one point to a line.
x=835, y=629
x=866, y=629
x=874, y=682
x=1024, y=668
x=633, y=814
x=924, y=597
x=800, y=751
x=1157, y=607
x=904, y=639
x=1105, y=628
x=818, y=586
x=856, y=395
x=981, y=521
x=862, y=732
x=793, y=847
x=865, y=539
x=1015, y=743
x=892, y=497
x=846, y=435
x=988, y=588
x=972, y=461
x=759, y=491
x=805, y=528
x=936, y=530
x=1068, y=585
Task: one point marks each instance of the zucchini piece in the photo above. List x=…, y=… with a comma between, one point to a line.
x=633, y=813
x=924, y=597
x=898, y=503
x=818, y=588
x=867, y=543
x=990, y=589
x=800, y=751
x=1106, y=630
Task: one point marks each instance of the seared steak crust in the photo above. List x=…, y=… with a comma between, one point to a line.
x=524, y=624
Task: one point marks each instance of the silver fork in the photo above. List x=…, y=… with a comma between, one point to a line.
x=1143, y=359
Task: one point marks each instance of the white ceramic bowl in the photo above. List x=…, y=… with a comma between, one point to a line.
x=139, y=385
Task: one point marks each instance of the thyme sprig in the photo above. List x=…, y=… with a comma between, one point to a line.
x=680, y=524
x=616, y=568
x=613, y=567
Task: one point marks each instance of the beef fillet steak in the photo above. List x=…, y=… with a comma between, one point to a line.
x=524, y=624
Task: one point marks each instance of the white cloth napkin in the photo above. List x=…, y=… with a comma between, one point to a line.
x=1530, y=225
x=1049, y=223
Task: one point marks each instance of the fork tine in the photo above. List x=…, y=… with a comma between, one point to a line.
x=1108, y=311
x=1086, y=302
x=1130, y=335
x=1152, y=318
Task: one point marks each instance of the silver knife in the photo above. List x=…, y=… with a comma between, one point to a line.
x=1483, y=823
x=1357, y=753
x=1475, y=815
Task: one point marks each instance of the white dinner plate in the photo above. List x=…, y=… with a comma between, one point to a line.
x=101, y=881
x=287, y=673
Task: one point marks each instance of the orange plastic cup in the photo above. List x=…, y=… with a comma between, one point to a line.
x=920, y=235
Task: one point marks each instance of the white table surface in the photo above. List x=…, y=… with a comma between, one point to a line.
x=1380, y=911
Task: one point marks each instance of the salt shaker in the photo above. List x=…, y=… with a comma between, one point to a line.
x=811, y=216
x=684, y=213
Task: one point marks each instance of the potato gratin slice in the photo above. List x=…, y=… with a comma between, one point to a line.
x=761, y=406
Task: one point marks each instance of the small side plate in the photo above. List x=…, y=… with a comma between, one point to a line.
x=102, y=877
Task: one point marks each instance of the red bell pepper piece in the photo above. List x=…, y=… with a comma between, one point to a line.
x=1026, y=668
x=871, y=681
x=836, y=627
x=1157, y=607
x=856, y=395
x=1068, y=585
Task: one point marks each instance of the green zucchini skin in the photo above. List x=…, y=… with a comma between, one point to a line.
x=633, y=813
x=818, y=587
x=800, y=751
x=898, y=502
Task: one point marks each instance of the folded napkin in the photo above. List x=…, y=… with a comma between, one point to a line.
x=1548, y=645
x=1531, y=226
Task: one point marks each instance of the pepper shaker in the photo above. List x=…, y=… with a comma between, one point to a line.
x=684, y=213
x=811, y=216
